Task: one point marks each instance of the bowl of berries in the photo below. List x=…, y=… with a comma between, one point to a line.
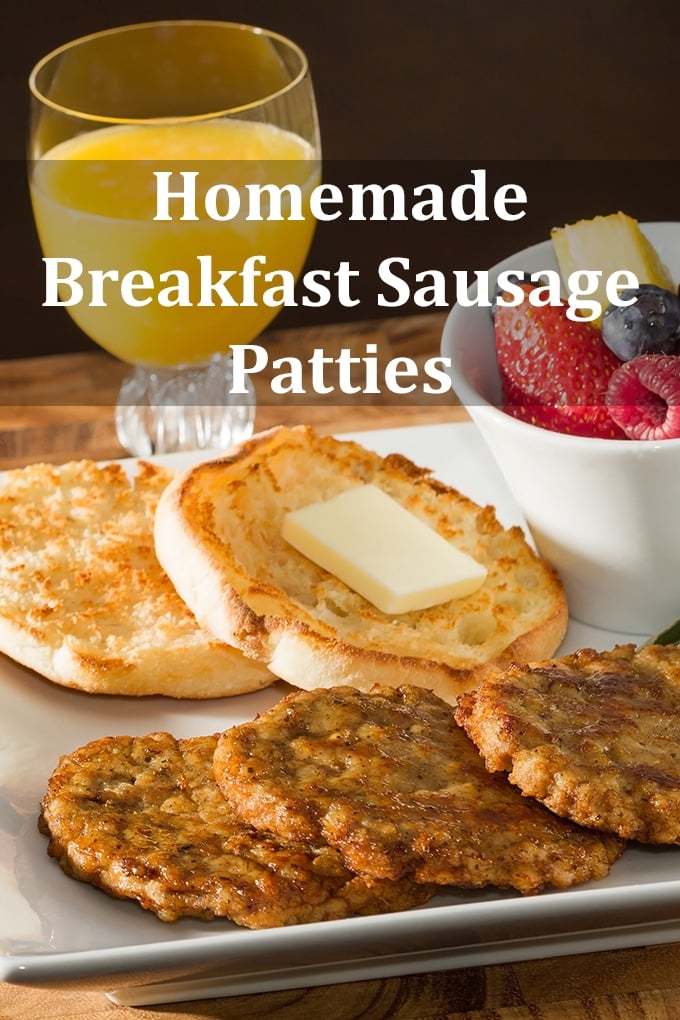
x=573, y=379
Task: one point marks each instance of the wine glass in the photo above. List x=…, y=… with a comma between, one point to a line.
x=147, y=146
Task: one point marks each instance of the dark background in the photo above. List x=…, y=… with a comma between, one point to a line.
x=584, y=94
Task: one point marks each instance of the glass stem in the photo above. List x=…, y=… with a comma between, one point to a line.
x=187, y=408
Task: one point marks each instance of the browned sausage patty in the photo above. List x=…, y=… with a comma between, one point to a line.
x=142, y=818
x=391, y=781
x=594, y=735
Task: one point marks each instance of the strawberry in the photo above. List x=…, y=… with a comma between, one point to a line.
x=643, y=397
x=554, y=370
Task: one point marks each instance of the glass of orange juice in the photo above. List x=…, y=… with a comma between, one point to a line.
x=171, y=165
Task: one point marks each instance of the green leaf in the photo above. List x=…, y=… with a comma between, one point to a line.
x=669, y=636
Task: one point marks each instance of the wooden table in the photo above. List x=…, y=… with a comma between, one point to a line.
x=55, y=408
x=58, y=408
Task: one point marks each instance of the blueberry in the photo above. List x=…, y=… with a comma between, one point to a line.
x=650, y=326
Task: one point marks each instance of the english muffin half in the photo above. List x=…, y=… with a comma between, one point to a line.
x=218, y=535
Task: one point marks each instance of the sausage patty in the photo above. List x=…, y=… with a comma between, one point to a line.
x=143, y=819
x=594, y=735
x=391, y=780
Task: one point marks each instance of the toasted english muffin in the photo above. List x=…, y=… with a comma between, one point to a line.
x=218, y=535
x=83, y=599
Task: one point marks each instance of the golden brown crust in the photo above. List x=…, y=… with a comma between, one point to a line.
x=142, y=819
x=83, y=599
x=593, y=735
x=389, y=779
x=218, y=534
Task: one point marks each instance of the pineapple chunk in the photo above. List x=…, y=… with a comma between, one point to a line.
x=608, y=244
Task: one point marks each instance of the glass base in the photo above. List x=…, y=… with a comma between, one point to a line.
x=188, y=408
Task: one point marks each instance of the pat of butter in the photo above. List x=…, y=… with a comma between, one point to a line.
x=385, y=553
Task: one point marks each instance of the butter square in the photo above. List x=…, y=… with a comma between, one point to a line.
x=382, y=551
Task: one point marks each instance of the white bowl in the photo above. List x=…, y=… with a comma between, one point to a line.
x=605, y=512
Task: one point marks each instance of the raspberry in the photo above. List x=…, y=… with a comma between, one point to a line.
x=643, y=397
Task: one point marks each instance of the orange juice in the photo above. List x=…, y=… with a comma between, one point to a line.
x=95, y=198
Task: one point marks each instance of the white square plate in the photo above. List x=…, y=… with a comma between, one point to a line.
x=61, y=933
